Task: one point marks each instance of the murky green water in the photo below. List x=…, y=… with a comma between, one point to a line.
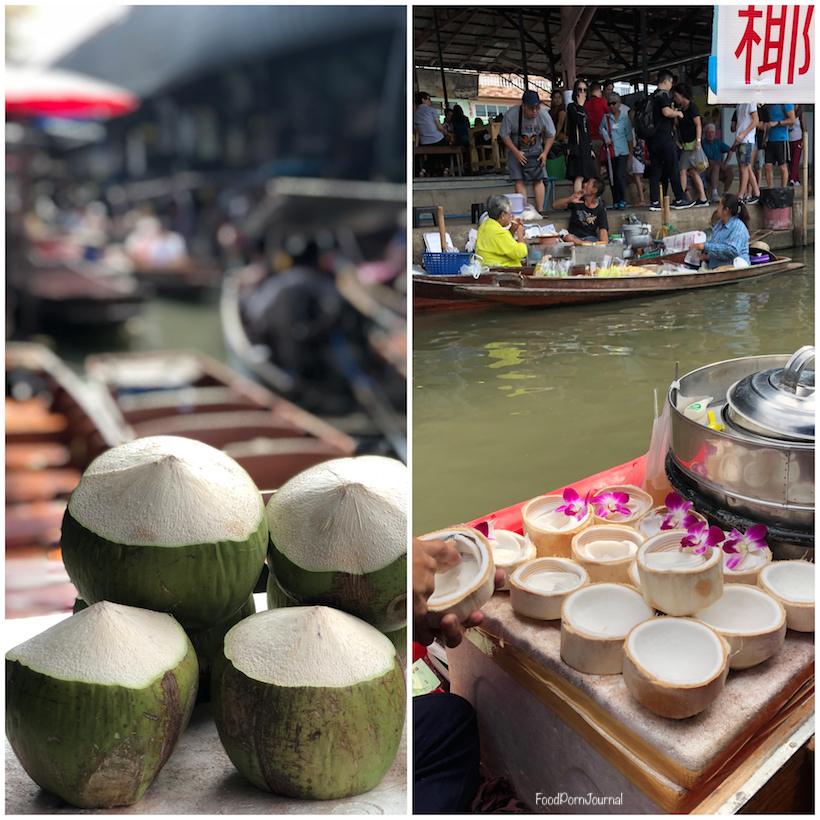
x=511, y=403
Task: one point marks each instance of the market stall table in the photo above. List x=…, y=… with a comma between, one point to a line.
x=552, y=730
x=198, y=778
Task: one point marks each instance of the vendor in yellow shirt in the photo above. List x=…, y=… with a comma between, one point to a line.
x=495, y=243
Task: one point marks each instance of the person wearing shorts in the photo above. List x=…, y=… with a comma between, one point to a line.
x=781, y=118
x=745, y=128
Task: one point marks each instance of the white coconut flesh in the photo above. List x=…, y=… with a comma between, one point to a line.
x=161, y=491
x=677, y=651
x=743, y=610
x=470, y=576
x=542, y=514
x=345, y=515
x=638, y=504
x=790, y=580
x=108, y=644
x=549, y=576
x=749, y=563
x=309, y=646
x=666, y=554
x=605, y=610
x=650, y=524
x=509, y=547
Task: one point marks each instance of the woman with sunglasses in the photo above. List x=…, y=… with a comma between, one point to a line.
x=580, y=157
x=730, y=234
x=616, y=130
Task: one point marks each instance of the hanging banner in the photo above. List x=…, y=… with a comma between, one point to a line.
x=762, y=54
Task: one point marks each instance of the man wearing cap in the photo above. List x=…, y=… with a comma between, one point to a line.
x=528, y=132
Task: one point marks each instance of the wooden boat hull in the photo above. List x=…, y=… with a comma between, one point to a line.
x=186, y=393
x=526, y=291
x=439, y=292
x=192, y=282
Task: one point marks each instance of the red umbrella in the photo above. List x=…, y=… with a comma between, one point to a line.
x=52, y=92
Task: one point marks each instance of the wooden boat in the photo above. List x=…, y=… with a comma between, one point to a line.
x=517, y=286
x=76, y=295
x=54, y=429
x=186, y=393
x=192, y=281
x=511, y=669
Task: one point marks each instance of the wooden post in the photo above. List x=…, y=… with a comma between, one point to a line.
x=441, y=231
x=805, y=189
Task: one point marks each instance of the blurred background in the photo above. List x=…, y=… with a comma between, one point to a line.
x=205, y=236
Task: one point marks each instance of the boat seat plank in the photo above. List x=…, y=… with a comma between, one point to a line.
x=40, y=485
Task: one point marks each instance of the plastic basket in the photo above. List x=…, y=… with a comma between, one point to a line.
x=444, y=264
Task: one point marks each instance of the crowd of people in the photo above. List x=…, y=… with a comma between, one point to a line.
x=600, y=137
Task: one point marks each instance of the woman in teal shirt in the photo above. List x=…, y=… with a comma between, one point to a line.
x=616, y=130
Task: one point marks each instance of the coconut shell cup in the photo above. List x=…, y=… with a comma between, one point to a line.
x=752, y=622
x=539, y=587
x=552, y=532
x=640, y=502
x=595, y=621
x=792, y=584
x=455, y=595
x=675, y=667
x=686, y=582
x=510, y=550
x=606, y=552
x=748, y=570
x=650, y=524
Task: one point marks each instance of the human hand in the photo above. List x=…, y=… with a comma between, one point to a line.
x=542, y=158
x=429, y=558
x=522, y=159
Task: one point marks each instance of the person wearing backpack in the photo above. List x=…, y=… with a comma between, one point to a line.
x=654, y=121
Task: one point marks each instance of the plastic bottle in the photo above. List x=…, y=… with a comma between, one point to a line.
x=698, y=409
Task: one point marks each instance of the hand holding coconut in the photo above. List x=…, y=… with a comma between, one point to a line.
x=430, y=558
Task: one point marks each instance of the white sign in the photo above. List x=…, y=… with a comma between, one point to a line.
x=762, y=54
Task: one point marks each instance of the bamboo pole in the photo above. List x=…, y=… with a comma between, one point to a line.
x=805, y=189
x=442, y=232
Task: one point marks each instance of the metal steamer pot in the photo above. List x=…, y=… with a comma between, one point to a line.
x=637, y=236
x=760, y=468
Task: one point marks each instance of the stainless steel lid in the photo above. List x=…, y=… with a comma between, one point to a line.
x=776, y=403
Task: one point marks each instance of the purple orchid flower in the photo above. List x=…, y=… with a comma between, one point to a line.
x=486, y=528
x=573, y=504
x=739, y=545
x=699, y=536
x=676, y=518
x=609, y=503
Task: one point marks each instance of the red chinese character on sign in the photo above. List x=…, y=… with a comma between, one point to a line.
x=774, y=42
x=750, y=37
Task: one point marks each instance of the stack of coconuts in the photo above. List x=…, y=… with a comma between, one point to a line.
x=165, y=539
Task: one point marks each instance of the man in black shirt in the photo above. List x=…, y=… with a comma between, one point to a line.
x=662, y=154
x=587, y=218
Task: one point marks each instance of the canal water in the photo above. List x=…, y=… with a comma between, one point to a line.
x=512, y=403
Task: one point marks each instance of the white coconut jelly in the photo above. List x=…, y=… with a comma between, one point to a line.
x=610, y=550
x=507, y=546
x=606, y=610
x=552, y=520
x=742, y=610
x=674, y=558
x=166, y=490
x=107, y=643
x=308, y=646
x=552, y=581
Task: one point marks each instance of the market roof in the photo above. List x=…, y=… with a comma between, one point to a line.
x=156, y=47
x=488, y=39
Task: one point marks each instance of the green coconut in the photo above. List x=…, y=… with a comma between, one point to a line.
x=96, y=704
x=208, y=645
x=338, y=537
x=276, y=597
x=166, y=523
x=309, y=702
